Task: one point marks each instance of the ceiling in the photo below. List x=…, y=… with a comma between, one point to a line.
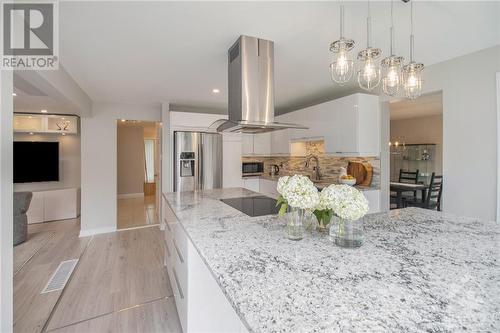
x=424, y=106
x=149, y=52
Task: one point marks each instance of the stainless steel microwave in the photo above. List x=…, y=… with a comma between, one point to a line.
x=252, y=168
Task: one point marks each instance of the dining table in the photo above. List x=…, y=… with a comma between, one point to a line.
x=399, y=188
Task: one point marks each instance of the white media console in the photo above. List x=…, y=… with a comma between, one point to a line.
x=52, y=205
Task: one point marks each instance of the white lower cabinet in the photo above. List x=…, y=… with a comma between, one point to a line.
x=252, y=184
x=53, y=205
x=268, y=188
x=373, y=197
x=200, y=302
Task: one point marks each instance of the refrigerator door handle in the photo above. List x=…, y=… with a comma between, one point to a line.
x=201, y=184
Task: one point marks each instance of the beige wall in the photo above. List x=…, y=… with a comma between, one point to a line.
x=130, y=155
x=421, y=130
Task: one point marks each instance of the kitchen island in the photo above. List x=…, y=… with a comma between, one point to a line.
x=418, y=270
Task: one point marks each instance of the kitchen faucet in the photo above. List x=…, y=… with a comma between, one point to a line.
x=317, y=174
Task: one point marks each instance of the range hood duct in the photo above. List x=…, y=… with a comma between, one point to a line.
x=251, y=88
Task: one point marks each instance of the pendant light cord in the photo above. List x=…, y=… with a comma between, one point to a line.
x=393, y=47
x=341, y=19
x=368, y=27
x=411, y=32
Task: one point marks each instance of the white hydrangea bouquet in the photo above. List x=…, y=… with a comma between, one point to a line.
x=297, y=192
x=343, y=201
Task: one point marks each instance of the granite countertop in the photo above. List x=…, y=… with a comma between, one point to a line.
x=320, y=185
x=418, y=270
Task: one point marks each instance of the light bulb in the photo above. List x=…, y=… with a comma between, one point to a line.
x=391, y=75
x=342, y=67
x=412, y=80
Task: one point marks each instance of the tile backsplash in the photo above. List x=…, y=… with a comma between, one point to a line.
x=329, y=165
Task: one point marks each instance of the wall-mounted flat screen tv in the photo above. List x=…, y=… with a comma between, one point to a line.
x=36, y=162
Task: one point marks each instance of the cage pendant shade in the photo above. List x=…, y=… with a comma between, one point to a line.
x=413, y=80
x=342, y=66
x=413, y=71
x=391, y=75
x=369, y=72
x=391, y=66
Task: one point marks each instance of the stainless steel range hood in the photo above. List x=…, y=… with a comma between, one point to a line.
x=251, y=88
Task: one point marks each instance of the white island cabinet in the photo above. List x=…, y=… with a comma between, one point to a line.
x=349, y=126
x=200, y=302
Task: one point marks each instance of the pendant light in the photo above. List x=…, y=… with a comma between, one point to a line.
x=412, y=72
x=391, y=66
x=369, y=73
x=342, y=67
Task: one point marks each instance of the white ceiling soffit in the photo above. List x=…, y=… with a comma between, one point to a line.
x=54, y=91
x=424, y=106
x=145, y=52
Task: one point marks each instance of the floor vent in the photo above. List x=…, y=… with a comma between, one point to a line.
x=61, y=276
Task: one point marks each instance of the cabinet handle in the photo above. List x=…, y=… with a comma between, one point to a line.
x=177, y=250
x=181, y=294
x=166, y=223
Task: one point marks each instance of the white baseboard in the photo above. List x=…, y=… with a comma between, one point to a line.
x=96, y=231
x=130, y=195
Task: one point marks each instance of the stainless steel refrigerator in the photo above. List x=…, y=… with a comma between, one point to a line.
x=198, y=161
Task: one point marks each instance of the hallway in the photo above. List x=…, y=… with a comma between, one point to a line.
x=136, y=212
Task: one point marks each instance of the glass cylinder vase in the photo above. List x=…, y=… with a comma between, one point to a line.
x=295, y=224
x=324, y=218
x=346, y=233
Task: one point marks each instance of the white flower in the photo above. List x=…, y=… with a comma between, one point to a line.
x=326, y=198
x=298, y=191
x=346, y=202
x=281, y=184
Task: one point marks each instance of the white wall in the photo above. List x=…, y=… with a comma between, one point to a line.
x=69, y=161
x=6, y=208
x=99, y=167
x=469, y=131
x=130, y=160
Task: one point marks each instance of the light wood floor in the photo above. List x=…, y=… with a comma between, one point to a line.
x=119, y=284
x=136, y=212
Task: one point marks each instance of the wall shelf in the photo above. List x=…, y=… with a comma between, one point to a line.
x=45, y=124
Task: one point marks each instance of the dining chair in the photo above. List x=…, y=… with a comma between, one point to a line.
x=433, y=197
x=409, y=177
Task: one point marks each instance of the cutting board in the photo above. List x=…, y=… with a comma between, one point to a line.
x=362, y=171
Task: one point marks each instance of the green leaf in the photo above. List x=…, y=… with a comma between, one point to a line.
x=283, y=209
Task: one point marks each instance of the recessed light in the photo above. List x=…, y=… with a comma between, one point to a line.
x=43, y=111
x=123, y=120
x=14, y=94
x=31, y=133
x=215, y=91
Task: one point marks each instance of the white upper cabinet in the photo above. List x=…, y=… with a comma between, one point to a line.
x=256, y=144
x=262, y=144
x=247, y=144
x=280, y=140
x=348, y=125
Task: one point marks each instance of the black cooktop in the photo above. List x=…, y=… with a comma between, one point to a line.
x=253, y=206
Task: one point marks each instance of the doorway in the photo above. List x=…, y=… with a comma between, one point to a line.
x=138, y=173
x=416, y=142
